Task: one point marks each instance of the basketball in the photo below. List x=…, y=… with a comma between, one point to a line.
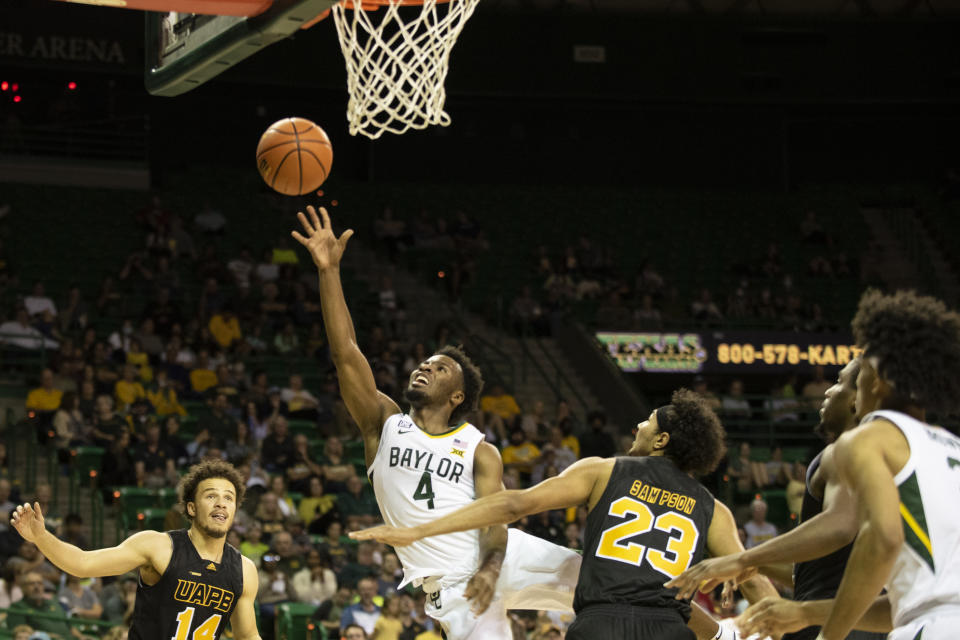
x=294, y=156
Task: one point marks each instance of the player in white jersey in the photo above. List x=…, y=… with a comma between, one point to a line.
x=905, y=477
x=430, y=462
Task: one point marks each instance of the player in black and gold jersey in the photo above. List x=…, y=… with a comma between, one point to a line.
x=191, y=582
x=649, y=520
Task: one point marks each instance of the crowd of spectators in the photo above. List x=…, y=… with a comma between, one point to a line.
x=227, y=359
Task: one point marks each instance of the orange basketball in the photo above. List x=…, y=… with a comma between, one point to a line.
x=294, y=156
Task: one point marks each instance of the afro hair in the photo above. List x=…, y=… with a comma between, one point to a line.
x=697, y=438
x=472, y=382
x=916, y=342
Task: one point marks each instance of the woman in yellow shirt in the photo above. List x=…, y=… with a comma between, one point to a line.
x=388, y=625
x=163, y=397
x=128, y=389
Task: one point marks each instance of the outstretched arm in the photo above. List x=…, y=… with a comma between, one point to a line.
x=357, y=385
x=146, y=548
x=773, y=616
x=571, y=488
x=823, y=534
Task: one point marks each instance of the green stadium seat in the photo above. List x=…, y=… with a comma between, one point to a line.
x=293, y=622
x=304, y=427
x=153, y=518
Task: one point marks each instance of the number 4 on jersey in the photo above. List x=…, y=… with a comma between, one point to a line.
x=425, y=490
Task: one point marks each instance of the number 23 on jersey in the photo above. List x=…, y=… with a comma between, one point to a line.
x=671, y=561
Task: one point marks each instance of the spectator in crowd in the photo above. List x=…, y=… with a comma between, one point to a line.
x=118, y=598
x=155, y=458
x=74, y=315
x=316, y=582
x=302, y=466
x=701, y=389
x=740, y=470
x=758, y=529
x=53, y=620
x=6, y=504
x=224, y=326
x=45, y=399
x=202, y=377
x=563, y=455
x=29, y=558
x=277, y=451
x=78, y=600
x=734, y=405
x=162, y=394
x=22, y=334
x=336, y=468
x=535, y=422
x=330, y=611
x=289, y=560
x=287, y=341
x=357, y=505
x=218, y=421
x=527, y=314
x=275, y=588
x=242, y=268
x=813, y=391
x=69, y=425
x=107, y=424
x=704, y=309
x=364, y=613
x=501, y=403
x=128, y=389
x=269, y=515
x=38, y=301
x=73, y=531
x=10, y=591
x=647, y=316
x=117, y=466
x=597, y=442
x=390, y=574
x=520, y=454
x=389, y=625
x=301, y=404
x=253, y=545
x=317, y=509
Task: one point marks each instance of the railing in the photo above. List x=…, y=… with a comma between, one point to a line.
x=559, y=383
x=121, y=139
x=82, y=624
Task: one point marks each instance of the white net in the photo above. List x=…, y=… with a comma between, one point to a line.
x=397, y=61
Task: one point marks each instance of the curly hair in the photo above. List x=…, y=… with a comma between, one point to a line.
x=472, y=382
x=916, y=342
x=697, y=438
x=187, y=489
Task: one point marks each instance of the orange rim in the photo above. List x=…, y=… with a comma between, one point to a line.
x=373, y=5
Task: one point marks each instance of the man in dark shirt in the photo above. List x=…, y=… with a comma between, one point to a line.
x=156, y=457
x=107, y=424
x=597, y=442
x=218, y=422
x=277, y=451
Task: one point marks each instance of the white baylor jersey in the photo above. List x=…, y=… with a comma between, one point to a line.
x=925, y=580
x=417, y=478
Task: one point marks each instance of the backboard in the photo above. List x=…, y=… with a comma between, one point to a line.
x=184, y=50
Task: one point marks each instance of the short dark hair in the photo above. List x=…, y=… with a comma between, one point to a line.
x=472, y=382
x=916, y=341
x=354, y=626
x=187, y=489
x=697, y=439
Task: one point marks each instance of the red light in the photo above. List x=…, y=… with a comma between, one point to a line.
x=17, y=99
x=441, y=274
x=140, y=516
x=15, y=86
x=116, y=494
x=71, y=85
x=93, y=473
x=4, y=85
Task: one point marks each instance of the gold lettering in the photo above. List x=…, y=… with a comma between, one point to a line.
x=843, y=354
x=183, y=590
x=672, y=503
x=691, y=503
x=644, y=493
x=635, y=489
x=225, y=601
x=814, y=353
x=199, y=595
x=654, y=494
x=828, y=356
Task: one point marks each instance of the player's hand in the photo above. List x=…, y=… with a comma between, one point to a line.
x=773, y=617
x=28, y=521
x=393, y=536
x=481, y=589
x=325, y=248
x=707, y=574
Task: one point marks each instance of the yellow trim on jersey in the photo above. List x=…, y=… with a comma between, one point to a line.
x=916, y=528
x=443, y=435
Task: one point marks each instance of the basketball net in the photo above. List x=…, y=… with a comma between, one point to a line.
x=397, y=64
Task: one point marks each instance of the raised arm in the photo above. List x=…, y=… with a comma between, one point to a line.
x=774, y=616
x=357, y=385
x=487, y=480
x=825, y=533
x=573, y=487
x=146, y=548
